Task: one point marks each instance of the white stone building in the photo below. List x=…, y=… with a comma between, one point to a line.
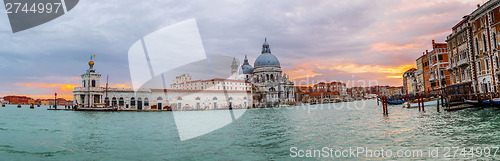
x=262, y=86
x=270, y=86
x=185, y=94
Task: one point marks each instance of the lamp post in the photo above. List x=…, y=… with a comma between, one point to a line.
x=55, y=100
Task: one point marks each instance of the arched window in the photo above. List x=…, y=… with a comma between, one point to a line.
x=159, y=98
x=215, y=98
x=496, y=61
x=106, y=100
x=487, y=64
x=495, y=40
x=139, y=101
x=230, y=98
x=146, y=101
x=272, y=77
x=121, y=102
x=113, y=100
x=244, y=98
x=198, y=98
x=132, y=101
x=179, y=98
x=484, y=44
x=477, y=46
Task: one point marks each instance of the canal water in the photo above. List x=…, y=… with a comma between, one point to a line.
x=259, y=134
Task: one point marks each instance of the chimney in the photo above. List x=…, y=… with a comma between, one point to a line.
x=426, y=51
x=478, y=5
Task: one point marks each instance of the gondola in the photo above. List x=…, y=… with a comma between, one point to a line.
x=396, y=102
x=474, y=102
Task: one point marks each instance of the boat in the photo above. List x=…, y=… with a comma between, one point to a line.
x=396, y=102
x=428, y=103
x=3, y=105
x=473, y=102
x=495, y=101
x=19, y=105
x=96, y=109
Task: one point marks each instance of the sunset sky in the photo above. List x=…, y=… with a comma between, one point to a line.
x=329, y=40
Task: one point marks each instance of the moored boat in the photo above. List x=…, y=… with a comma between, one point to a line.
x=395, y=102
x=428, y=103
x=475, y=102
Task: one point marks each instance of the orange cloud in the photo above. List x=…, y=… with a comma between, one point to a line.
x=384, y=46
x=45, y=91
x=119, y=85
x=62, y=87
x=308, y=68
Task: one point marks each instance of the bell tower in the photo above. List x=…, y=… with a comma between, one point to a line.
x=234, y=69
x=91, y=84
x=91, y=78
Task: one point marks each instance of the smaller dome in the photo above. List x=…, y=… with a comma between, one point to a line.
x=246, y=67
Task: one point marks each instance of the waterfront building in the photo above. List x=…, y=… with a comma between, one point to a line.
x=185, y=94
x=270, y=86
x=302, y=93
x=357, y=92
x=439, y=77
x=484, y=21
x=410, y=81
x=423, y=76
x=262, y=86
x=50, y=102
x=321, y=92
x=23, y=100
x=396, y=90
x=461, y=54
x=419, y=75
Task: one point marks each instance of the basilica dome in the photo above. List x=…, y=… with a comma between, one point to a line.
x=246, y=67
x=266, y=59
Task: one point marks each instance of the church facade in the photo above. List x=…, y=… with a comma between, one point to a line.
x=270, y=86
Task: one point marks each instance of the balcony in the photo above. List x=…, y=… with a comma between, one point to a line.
x=463, y=62
x=449, y=67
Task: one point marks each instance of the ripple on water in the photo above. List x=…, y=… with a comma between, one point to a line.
x=260, y=134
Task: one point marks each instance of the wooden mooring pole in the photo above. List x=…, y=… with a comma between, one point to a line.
x=418, y=101
x=384, y=105
x=378, y=100
x=423, y=109
x=437, y=105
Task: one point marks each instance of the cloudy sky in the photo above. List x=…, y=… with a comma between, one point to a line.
x=367, y=40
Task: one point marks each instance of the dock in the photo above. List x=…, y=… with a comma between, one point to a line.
x=455, y=108
x=61, y=109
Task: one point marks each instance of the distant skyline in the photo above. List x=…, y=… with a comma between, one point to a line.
x=313, y=40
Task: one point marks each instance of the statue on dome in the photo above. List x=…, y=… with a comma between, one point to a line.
x=91, y=63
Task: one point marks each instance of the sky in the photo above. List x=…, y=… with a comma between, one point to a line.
x=359, y=42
